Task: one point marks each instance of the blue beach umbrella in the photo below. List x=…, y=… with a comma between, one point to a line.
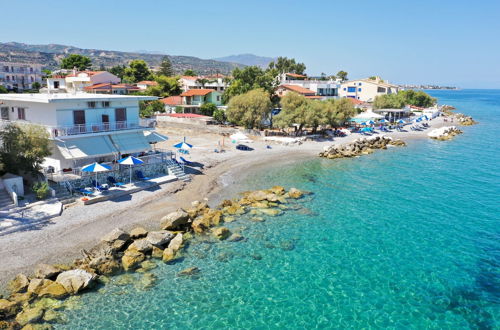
x=95, y=168
x=183, y=145
x=401, y=121
x=366, y=129
x=369, y=122
x=383, y=121
x=130, y=161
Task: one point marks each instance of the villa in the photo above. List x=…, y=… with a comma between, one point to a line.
x=324, y=88
x=193, y=99
x=78, y=81
x=215, y=82
x=366, y=89
x=282, y=90
x=85, y=128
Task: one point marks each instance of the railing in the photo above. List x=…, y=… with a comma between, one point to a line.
x=92, y=128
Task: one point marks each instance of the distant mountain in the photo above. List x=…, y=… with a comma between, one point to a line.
x=51, y=55
x=247, y=59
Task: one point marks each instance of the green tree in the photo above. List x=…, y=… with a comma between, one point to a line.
x=148, y=108
x=23, y=147
x=294, y=111
x=342, y=75
x=337, y=112
x=219, y=116
x=77, y=61
x=3, y=90
x=36, y=85
x=189, y=73
x=286, y=65
x=247, y=79
x=167, y=86
x=403, y=98
x=166, y=67
x=208, y=109
x=203, y=81
x=138, y=70
x=118, y=70
x=250, y=108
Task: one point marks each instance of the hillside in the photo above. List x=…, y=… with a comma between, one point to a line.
x=50, y=56
x=247, y=59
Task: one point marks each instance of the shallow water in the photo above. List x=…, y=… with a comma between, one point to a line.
x=403, y=238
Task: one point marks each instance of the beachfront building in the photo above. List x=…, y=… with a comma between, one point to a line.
x=193, y=99
x=282, y=90
x=142, y=85
x=19, y=76
x=107, y=88
x=393, y=115
x=78, y=81
x=85, y=128
x=171, y=103
x=366, y=89
x=323, y=88
x=215, y=82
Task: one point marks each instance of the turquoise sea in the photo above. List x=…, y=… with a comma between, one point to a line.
x=407, y=238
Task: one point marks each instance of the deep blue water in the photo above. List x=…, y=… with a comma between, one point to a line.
x=403, y=238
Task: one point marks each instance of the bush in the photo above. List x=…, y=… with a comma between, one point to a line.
x=208, y=109
x=219, y=115
x=41, y=190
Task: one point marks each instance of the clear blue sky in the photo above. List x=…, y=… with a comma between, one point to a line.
x=440, y=41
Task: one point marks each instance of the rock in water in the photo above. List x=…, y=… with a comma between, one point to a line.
x=221, y=233
x=159, y=238
x=235, y=238
x=174, y=246
x=175, y=220
x=53, y=290
x=19, y=283
x=75, y=280
x=132, y=259
x=29, y=315
x=189, y=271
x=7, y=308
x=295, y=193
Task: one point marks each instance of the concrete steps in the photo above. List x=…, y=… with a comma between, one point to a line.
x=176, y=170
x=5, y=199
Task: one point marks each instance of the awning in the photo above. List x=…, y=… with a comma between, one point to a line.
x=130, y=142
x=86, y=147
x=154, y=137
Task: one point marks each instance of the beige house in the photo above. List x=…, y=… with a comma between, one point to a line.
x=366, y=89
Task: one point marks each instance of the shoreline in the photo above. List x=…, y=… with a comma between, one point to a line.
x=63, y=242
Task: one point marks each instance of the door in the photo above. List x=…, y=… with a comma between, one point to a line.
x=121, y=118
x=79, y=121
x=105, y=122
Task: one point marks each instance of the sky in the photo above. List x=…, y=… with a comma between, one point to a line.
x=437, y=42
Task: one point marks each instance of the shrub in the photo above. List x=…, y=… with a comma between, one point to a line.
x=41, y=189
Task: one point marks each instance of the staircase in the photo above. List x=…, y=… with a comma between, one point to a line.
x=5, y=199
x=63, y=191
x=177, y=170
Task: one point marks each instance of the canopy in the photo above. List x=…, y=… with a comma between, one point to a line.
x=383, y=121
x=130, y=161
x=238, y=136
x=86, y=147
x=154, y=137
x=96, y=167
x=128, y=143
x=183, y=145
x=369, y=122
x=368, y=115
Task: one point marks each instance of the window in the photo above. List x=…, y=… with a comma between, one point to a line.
x=31, y=70
x=91, y=104
x=79, y=117
x=351, y=89
x=21, y=114
x=380, y=90
x=359, y=89
x=218, y=98
x=5, y=113
x=105, y=104
x=359, y=84
x=120, y=115
x=344, y=89
x=56, y=84
x=6, y=68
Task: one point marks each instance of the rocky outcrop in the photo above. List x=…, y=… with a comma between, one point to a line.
x=362, y=146
x=189, y=271
x=221, y=233
x=465, y=120
x=173, y=247
x=160, y=237
x=8, y=308
x=53, y=290
x=138, y=232
x=29, y=315
x=19, y=283
x=444, y=133
x=117, y=238
x=132, y=259
x=142, y=245
x=75, y=280
x=46, y=271
x=175, y=220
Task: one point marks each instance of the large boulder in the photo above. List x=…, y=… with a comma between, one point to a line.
x=138, y=232
x=189, y=271
x=142, y=245
x=37, y=284
x=221, y=233
x=132, y=259
x=19, y=283
x=76, y=280
x=46, y=271
x=53, y=290
x=160, y=237
x=175, y=220
x=174, y=246
x=117, y=238
x=8, y=308
x=295, y=193
x=105, y=266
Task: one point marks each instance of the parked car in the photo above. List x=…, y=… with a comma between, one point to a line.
x=243, y=147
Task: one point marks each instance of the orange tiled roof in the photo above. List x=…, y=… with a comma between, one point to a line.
x=298, y=89
x=172, y=100
x=296, y=75
x=314, y=97
x=147, y=82
x=355, y=101
x=190, y=77
x=201, y=92
x=106, y=86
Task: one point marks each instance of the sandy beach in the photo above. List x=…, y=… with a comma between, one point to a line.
x=80, y=227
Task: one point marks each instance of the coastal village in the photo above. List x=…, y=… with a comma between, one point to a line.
x=146, y=140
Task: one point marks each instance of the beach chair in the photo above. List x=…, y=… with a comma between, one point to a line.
x=98, y=186
x=141, y=176
x=115, y=183
x=85, y=192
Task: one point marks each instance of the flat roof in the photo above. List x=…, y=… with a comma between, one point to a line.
x=58, y=97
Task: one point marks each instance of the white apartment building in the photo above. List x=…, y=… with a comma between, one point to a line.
x=324, y=88
x=366, y=89
x=215, y=82
x=83, y=127
x=78, y=81
x=19, y=76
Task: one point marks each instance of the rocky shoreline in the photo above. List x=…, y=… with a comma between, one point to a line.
x=34, y=301
x=444, y=133
x=362, y=146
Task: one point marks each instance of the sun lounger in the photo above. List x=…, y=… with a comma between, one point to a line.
x=141, y=176
x=113, y=181
x=99, y=187
x=85, y=191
